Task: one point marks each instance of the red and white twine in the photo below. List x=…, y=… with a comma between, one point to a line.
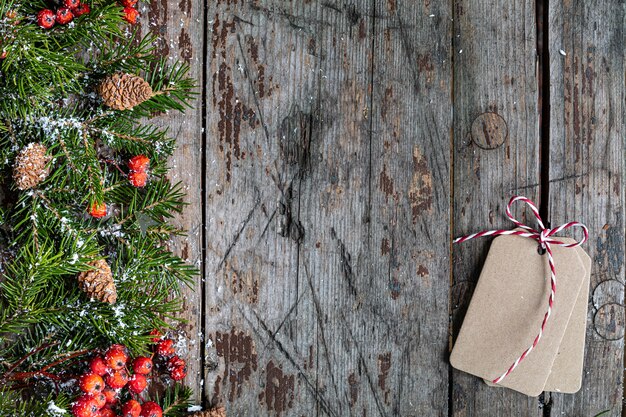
x=544, y=237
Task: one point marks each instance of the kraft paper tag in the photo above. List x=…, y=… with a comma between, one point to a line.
x=567, y=369
x=507, y=309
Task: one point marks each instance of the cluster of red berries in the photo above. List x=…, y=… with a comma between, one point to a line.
x=164, y=349
x=113, y=372
x=138, y=166
x=47, y=18
x=130, y=11
x=102, y=386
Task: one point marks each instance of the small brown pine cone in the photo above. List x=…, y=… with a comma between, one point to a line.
x=213, y=412
x=98, y=282
x=123, y=91
x=31, y=166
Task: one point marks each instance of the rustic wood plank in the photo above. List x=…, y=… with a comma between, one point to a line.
x=310, y=311
x=263, y=89
x=178, y=26
x=496, y=155
x=586, y=180
x=405, y=290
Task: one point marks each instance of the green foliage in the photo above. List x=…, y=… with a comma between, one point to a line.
x=47, y=237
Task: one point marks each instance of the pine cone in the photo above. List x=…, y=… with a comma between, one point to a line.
x=213, y=412
x=31, y=166
x=123, y=91
x=98, y=282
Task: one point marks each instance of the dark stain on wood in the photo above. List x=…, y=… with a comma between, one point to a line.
x=386, y=183
x=352, y=14
x=353, y=388
x=184, y=254
x=157, y=16
x=232, y=111
x=608, y=249
x=240, y=359
x=422, y=271
x=232, y=114
x=426, y=67
x=421, y=188
x=395, y=288
x=243, y=284
x=185, y=6
x=384, y=365
x=312, y=47
x=384, y=246
x=362, y=31
x=294, y=138
x=386, y=102
x=184, y=46
x=278, y=394
x=259, y=81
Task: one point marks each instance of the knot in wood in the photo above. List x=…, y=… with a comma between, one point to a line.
x=489, y=130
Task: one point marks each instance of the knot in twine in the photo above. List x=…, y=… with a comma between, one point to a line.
x=544, y=237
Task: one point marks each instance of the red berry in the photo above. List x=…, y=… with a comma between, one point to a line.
x=99, y=398
x=128, y=3
x=106, y=412
x=46, y=18
x=131, y=15
x=84, y=406
x=178, y=373
x=175, y=362
x=131, y=408
x=117, y=379
x=82, y=9
x=137, y=383
x=138, y=179
x=64, y=16
x=165, y=347
x=91, y=383
x=142, y=365
x=98, y=210
x=98, y=366
x=71, y=4
x=157, y=335
x=116, y=357
x=139, y=163
x=110, y=394
x=4, y=54
x=151, y=409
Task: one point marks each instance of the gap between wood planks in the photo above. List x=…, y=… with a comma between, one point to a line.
x=542, y=18
x=203, y=188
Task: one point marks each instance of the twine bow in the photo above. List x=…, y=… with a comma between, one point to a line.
x=544, y=237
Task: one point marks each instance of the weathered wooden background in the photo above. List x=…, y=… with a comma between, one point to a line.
x=335, y=150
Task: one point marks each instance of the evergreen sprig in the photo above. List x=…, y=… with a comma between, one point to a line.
x=48, y=81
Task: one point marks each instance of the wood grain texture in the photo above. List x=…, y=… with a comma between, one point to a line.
x=324, y=208
x=175, y=24
x=406, y=289
x=262, y=89
x=587, y=181
x=494, y=72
